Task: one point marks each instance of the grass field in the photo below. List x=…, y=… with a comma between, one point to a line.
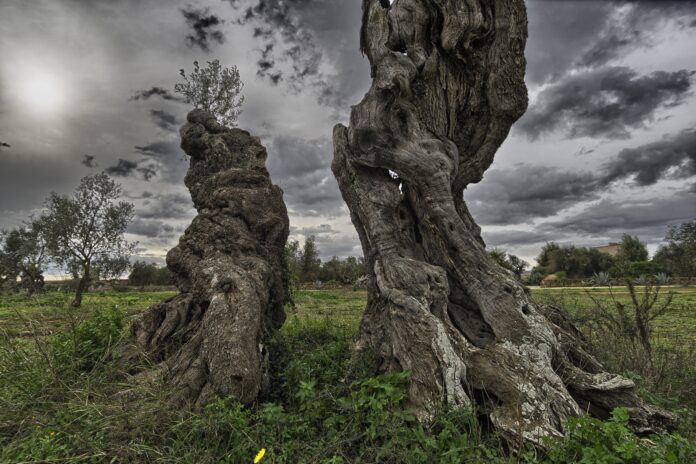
x=62, y=396
x=678, y=323
x=51, y=312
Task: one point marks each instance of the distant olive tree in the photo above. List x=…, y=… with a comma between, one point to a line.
x=23, y=255
x=510, y=262
x=214, y=89
x=84, y=233
x=632, y=249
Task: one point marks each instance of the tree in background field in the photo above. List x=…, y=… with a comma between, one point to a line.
x=678, y=256
x=510, y=262
x=632, y=249
x=23, y=256
x=304, y=265
x=310, y=263
x=574, y=262
x=84, y=233
x=214, y=89
x=143, y=274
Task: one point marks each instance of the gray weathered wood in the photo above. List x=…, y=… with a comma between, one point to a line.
x=209, y=339
x=448, y=83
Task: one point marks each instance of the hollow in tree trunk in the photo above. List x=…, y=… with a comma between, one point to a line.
x=209, y=340
x=448, y=83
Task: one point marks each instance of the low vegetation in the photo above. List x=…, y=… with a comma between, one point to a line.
x=65, y=397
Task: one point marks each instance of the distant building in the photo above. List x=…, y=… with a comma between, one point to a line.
x=612, y=249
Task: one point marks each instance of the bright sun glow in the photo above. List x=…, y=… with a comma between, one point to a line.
x=42, y=93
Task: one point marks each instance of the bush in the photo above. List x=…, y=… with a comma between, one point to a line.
x=593, y=441
x=89, y=343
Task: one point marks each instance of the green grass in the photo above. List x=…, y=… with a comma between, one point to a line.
x=679, y=323
x=63, y=397
x=51, y=312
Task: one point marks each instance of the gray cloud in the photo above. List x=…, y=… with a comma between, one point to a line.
x=165, y=120
x=166, y=206
x=159, y=92
x=204, y=28
x=123, y=168
x=673, y=157
x=301, y=167
x=630, y=28
x=161, y=149
x=127, y=168
x=548, y=57
x=648, y=219
x=594, y=33
x=151, y=228
x=606, y=102
x=524, y=192
x=300, y=38
x=171, y=162
x=89, y=161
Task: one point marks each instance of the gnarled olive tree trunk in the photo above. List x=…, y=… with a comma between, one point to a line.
x=448, y=83
x=209, y=339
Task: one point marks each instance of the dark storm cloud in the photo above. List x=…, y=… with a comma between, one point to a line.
x=167, y=206
x=160, y=92
x=606, y=102
x=171, y=163
x=283, y=17
x=160, y=149
x=299, y=36
x=647, y=219
x=673, y=157
x=4, y=145
x=301, y=167
x=631, y=28
x=523, y=193
x=151, y=228
x=123, y=168
x=26, y=180
x=164, y=120
x=127, y=168
x=547, y=56
x=516, y=237
x=204, y=28
x=594, y=32
x=89, y=161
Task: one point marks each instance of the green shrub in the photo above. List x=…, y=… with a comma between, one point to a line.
x=90, y=342
x=592, y=441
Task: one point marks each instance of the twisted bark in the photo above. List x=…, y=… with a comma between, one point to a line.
x=209, y=339
x=448, y=83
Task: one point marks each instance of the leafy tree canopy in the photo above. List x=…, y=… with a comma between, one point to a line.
x=214, y=89
x=84, y=233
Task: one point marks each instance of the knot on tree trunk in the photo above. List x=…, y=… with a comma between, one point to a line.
x=210, y=339
x=448, y=83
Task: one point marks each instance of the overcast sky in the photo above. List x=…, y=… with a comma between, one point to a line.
x=607, y=146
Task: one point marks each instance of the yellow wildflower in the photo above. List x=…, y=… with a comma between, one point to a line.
x=53, y=434
x=260, y=455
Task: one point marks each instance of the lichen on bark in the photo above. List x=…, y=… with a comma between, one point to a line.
x=210, y=338
x=448, y=83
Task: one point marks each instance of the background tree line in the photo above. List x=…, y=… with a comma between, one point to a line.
x=305, y=265
x=675, y=258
